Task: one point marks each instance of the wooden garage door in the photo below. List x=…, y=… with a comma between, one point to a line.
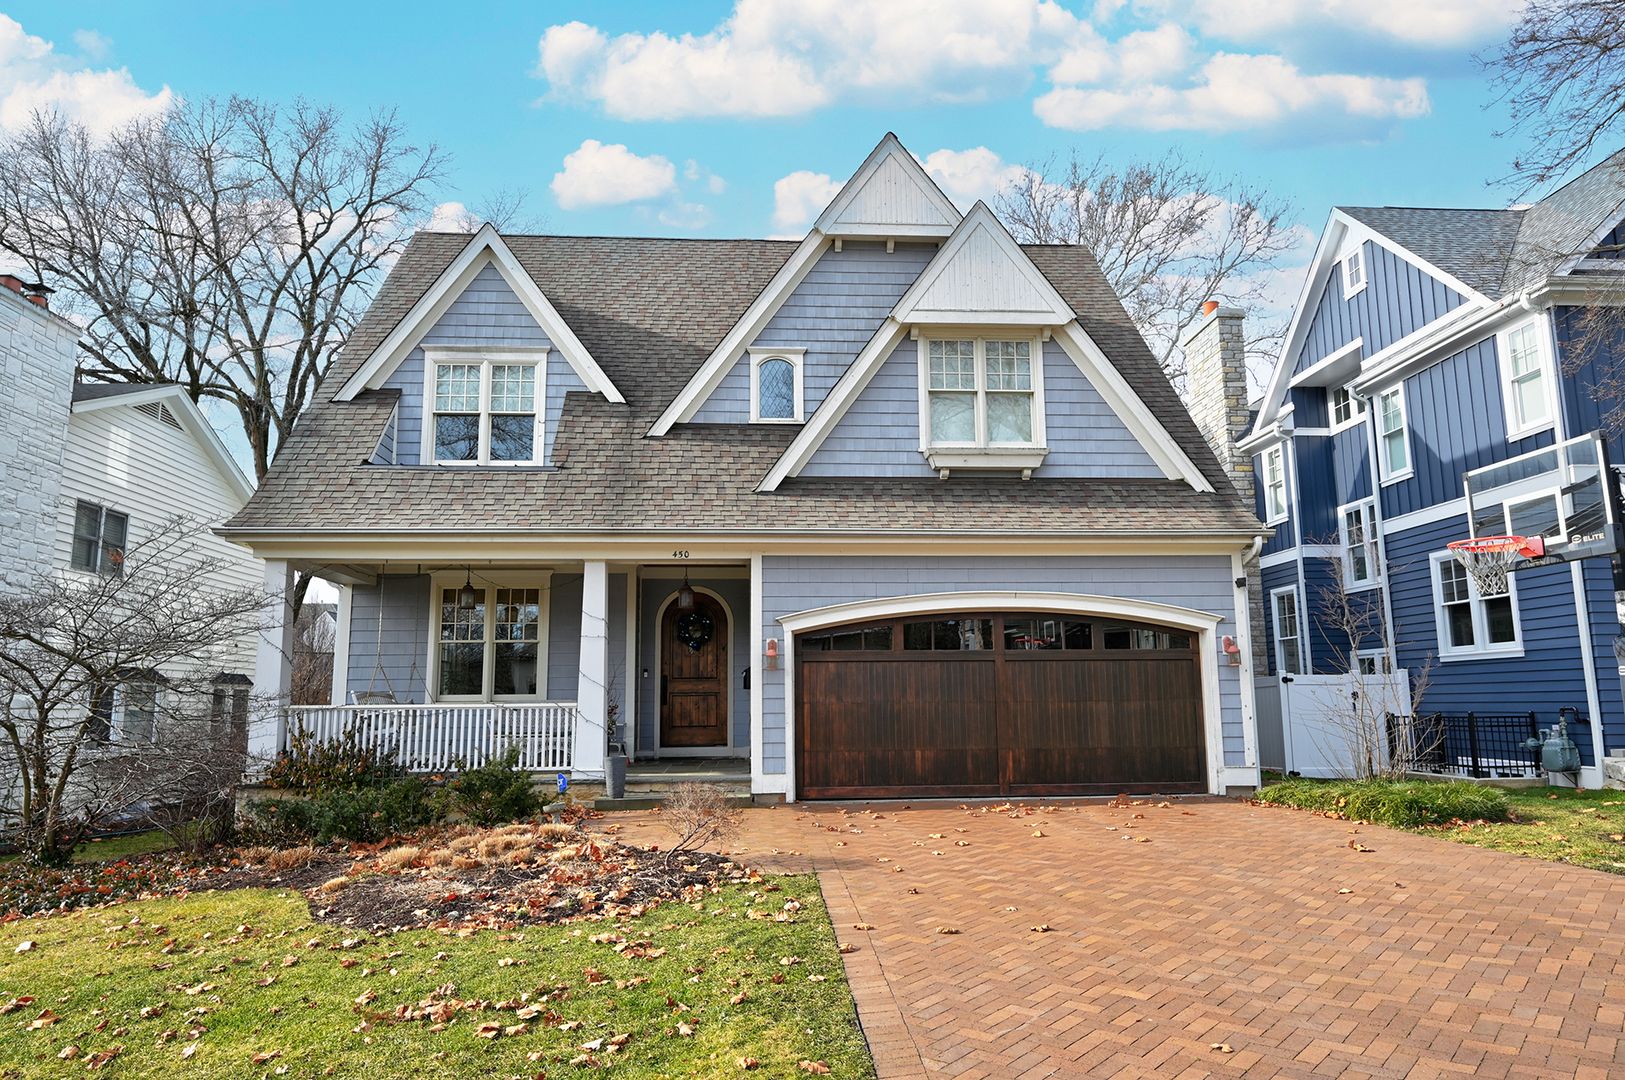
x=998, y=704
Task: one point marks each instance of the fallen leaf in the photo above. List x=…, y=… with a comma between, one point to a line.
x=946, y=930
x=488, y=1030
x=786, y=961
x=739, y=997
x=1223, y=1048
x=685, y=1029
x=846, y=947
x=45, y=1020
x=1038, y=832
x=748, y=1063
x=290, y=960
x=813, y=1067
x=1042, y=928
x=102, y=1057
x=1344, y=892
x=862, y=926
x=367, y=997
x=189, y=1049
x=69, y=1053
x=349, y=962
x=516, y=1029
x=265, y=1055
x=24, y=947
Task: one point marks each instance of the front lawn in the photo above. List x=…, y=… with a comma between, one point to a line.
x=245, y=983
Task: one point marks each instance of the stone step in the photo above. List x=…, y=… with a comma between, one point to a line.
x=650, y=801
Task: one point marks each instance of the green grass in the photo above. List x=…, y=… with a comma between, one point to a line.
x=1403, y=804
x=123, y=847
x=309, y=1013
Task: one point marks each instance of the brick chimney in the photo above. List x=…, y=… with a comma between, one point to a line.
x=1216, y=394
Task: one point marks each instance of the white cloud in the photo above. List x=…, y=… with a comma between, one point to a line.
x=600, y=175
x=33, y=77
x=1235, y=92
x=452, y=217
x=1428, y=23
x=785, y=57
x=968, y=175
x=93, y=45
x=801, y=197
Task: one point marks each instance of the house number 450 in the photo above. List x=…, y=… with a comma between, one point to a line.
x=679, y=554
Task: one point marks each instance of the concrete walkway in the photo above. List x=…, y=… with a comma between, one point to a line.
x=1172, y=928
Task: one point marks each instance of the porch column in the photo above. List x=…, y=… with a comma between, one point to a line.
x=273, y=669
x=592, y=688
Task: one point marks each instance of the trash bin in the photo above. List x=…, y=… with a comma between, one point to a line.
x=615, y=776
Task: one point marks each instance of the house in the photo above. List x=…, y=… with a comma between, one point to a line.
x=903, y=508
x=1445, y=376
x=86, y=469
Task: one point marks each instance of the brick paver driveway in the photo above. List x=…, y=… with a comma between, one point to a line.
x=1206, y=922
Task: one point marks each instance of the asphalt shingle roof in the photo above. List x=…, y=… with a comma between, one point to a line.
x=650, y=311
x=1471, y=244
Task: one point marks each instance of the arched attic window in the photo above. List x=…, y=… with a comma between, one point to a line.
x=775, y=386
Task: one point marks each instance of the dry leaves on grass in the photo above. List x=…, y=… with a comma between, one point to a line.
x=24, y=947
x=813, y=1067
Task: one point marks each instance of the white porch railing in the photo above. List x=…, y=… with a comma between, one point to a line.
x=428, y=738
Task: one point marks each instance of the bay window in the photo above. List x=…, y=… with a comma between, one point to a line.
x=483, y=409
x=491, y=650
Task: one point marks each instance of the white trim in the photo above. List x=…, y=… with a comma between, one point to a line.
x=1203, y=624
x=1278, y=558
x=1141, y=422
x=1391, y=475
x=1333, y=368
x=725, y=750
x=758, y=678
x=1244, y=638
x=192, y=420
x=1351, y=257
x=846, y=390
x=1054, y=311
x=829, y=222
x=1551, y=386
x=1428, y=515
x=484, y=248
x=1481, y=649
x=795, y=357
x=728, y=351
x=1276, y=517
x=1275, y=630
x=1367, y=508
x=535, y=356
x=629, y=665
x=541, y=580
x=340, y=693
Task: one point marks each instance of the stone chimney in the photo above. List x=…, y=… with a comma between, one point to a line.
x=1216, y=394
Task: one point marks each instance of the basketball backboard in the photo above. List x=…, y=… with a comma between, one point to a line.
x=1565, y=493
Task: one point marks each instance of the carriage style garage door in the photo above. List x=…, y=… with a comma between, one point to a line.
x=998, y=704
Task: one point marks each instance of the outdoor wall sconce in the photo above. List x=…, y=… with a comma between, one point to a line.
x=467, y=597
x=772, y=655
x=1232, y=650
x=685, y=595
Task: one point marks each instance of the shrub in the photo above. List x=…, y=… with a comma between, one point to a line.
x=498, y=790
x=1405, y=805
x=698, y=814
x=315, y=766
x=365, y=815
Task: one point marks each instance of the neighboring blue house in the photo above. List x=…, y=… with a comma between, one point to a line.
x=904, y=508
x=1432, y=349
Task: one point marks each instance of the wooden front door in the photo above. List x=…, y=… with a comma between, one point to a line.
x=694, y=675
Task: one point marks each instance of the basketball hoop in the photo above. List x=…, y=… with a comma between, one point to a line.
x=1489, y=558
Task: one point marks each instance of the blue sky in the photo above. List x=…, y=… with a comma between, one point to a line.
x=733, y=119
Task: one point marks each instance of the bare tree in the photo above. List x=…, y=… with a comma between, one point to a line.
x=108, y=687
x=1169, y=235
x=313, y=640
x=1561, y=75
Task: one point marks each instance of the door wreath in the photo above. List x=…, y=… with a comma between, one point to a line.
x=694, y=629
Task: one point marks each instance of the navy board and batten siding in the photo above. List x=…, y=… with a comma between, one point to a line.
x=832, y=314
x=794, y=583
x=1333, y=470
x=1590, y=386
x=488, y=313
x=1399, y=299
x=1550, y=673
x=656, y=592
x=1278, y=576
x=880, y=433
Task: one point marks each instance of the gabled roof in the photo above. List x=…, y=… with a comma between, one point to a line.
x=1472, y=245
x=889, y=195
x=485, y=248
x=93, y=397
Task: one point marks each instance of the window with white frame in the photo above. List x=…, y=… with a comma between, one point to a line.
x=1525, y=377
x=776, y=394
x=491, y=650
x=1345, y=407
x=981, y=392
x=1373, y=662
x=99, y=536
x=484, y=412
x=1362, y=554
x=1393, y=449
x=1353, y=272
x=1470, y=623
x=1288, y=634
x=138, y=710
x=1275, y=484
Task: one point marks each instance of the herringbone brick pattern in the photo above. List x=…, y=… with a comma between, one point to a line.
x=1207, y=922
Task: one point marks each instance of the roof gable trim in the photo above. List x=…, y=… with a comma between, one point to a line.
x=981, y=276
x=485, y=248
x=193, y=422
x=889, y=195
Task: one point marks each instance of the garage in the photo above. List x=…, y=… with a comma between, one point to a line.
x=998, y=704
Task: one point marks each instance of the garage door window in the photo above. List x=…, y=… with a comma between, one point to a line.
x=861, y=639
x=1133, y=637
x=949, y=634
x=1029, y=635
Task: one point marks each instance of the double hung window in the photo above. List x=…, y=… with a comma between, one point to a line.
x=980, y=392
x=1468, y=621
x=1288, y=634
x=1524, y=370
x=1362, y=554
x=1275, y=484
x=99, y=536
x=1392, y=448
x=493, y=649
x=484, y=412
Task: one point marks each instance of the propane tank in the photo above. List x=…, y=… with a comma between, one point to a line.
x=1557, y=751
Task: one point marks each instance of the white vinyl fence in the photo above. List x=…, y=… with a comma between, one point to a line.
x=428, y=738
x=1310, y=724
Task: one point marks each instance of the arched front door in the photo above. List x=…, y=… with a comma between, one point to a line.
x=694, y=675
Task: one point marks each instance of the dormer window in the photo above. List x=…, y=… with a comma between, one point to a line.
x=484, y=409
x=982, y=402
x=1353, y=272
x=775, y=386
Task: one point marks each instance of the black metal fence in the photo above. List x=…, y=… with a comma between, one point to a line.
x=1467, y=744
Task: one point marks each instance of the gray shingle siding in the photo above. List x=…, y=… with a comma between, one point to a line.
x=561, y=380
x=729, y=403
x=1085, y=437
x=408, y=379
x=798, y=583
x=405, y=636
x=564, y=638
